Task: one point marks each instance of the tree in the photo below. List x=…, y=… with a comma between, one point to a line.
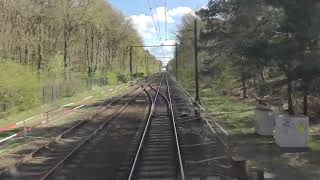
x=298, y=34
x=230, y=25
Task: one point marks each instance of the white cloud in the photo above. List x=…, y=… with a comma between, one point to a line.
x=145, y=26
x=160, y=15
x=169, y=50
x=180, y=11
x=172, y=14
x=164, y=53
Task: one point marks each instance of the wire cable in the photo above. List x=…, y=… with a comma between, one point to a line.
x=166, y=19
x=154, y=22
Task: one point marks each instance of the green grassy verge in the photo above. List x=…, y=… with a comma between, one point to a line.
x=236, y=116
x=14, y=118
x=43, y=133
x=9, y=133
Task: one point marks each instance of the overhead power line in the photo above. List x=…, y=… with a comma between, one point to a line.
x=157, y=28
x=157, y=19
x=166, y=19
x=154, y=22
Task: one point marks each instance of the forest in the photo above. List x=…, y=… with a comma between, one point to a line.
x=62, y=42
x=267, y=51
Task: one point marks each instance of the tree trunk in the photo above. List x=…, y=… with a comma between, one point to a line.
x=97, y=54
x=244, y=87
x=20, y=55
x=26, y=53
x=65, y=51
x=92, y=53
x=49, y=40
x=87, y=51
x=305, y=98
x=106, y=60
x=262, y=76
x=290, y=101
x=39, y=48
x=123, y=60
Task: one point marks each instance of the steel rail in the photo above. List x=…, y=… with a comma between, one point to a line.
x=175, y=131
x=56, y=139
x=87, y=139
x=169, y=103
x=134, y=164
x=194, y=103
x=165, y=98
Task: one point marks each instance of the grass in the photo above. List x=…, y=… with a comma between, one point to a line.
x=315, y=143
x=48, y=131
x=236, y=116
x=9, y=133
x=14, y=118
x=13, y=145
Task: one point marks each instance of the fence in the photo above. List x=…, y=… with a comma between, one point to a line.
x=55, y=91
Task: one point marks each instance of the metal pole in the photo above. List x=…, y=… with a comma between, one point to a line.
x=176, y=61
x=148, y=71
x=131, y=75
x=196, y=60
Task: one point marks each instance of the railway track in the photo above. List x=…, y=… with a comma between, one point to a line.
x=204, y=143
x=100, y=158
x=43, y=162
x=158, y=134
x=158, y=153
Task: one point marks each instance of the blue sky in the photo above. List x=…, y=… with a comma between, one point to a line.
x=144, y=22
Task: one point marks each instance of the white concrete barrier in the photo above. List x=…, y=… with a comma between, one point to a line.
x=264, y=122
x=292, y=131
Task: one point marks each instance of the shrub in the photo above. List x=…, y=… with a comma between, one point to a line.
x=122, y=78
x=20, y=88
x=112, y=78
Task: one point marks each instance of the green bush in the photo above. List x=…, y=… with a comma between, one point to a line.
x=112, y=78
x=19, y=87
x=122, y=78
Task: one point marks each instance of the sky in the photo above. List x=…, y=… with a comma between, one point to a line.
x=145, y=19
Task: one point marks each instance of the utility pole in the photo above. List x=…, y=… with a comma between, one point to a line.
x=148, y=70
x=176, y=61
x=196, y=60
x=131, y=75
